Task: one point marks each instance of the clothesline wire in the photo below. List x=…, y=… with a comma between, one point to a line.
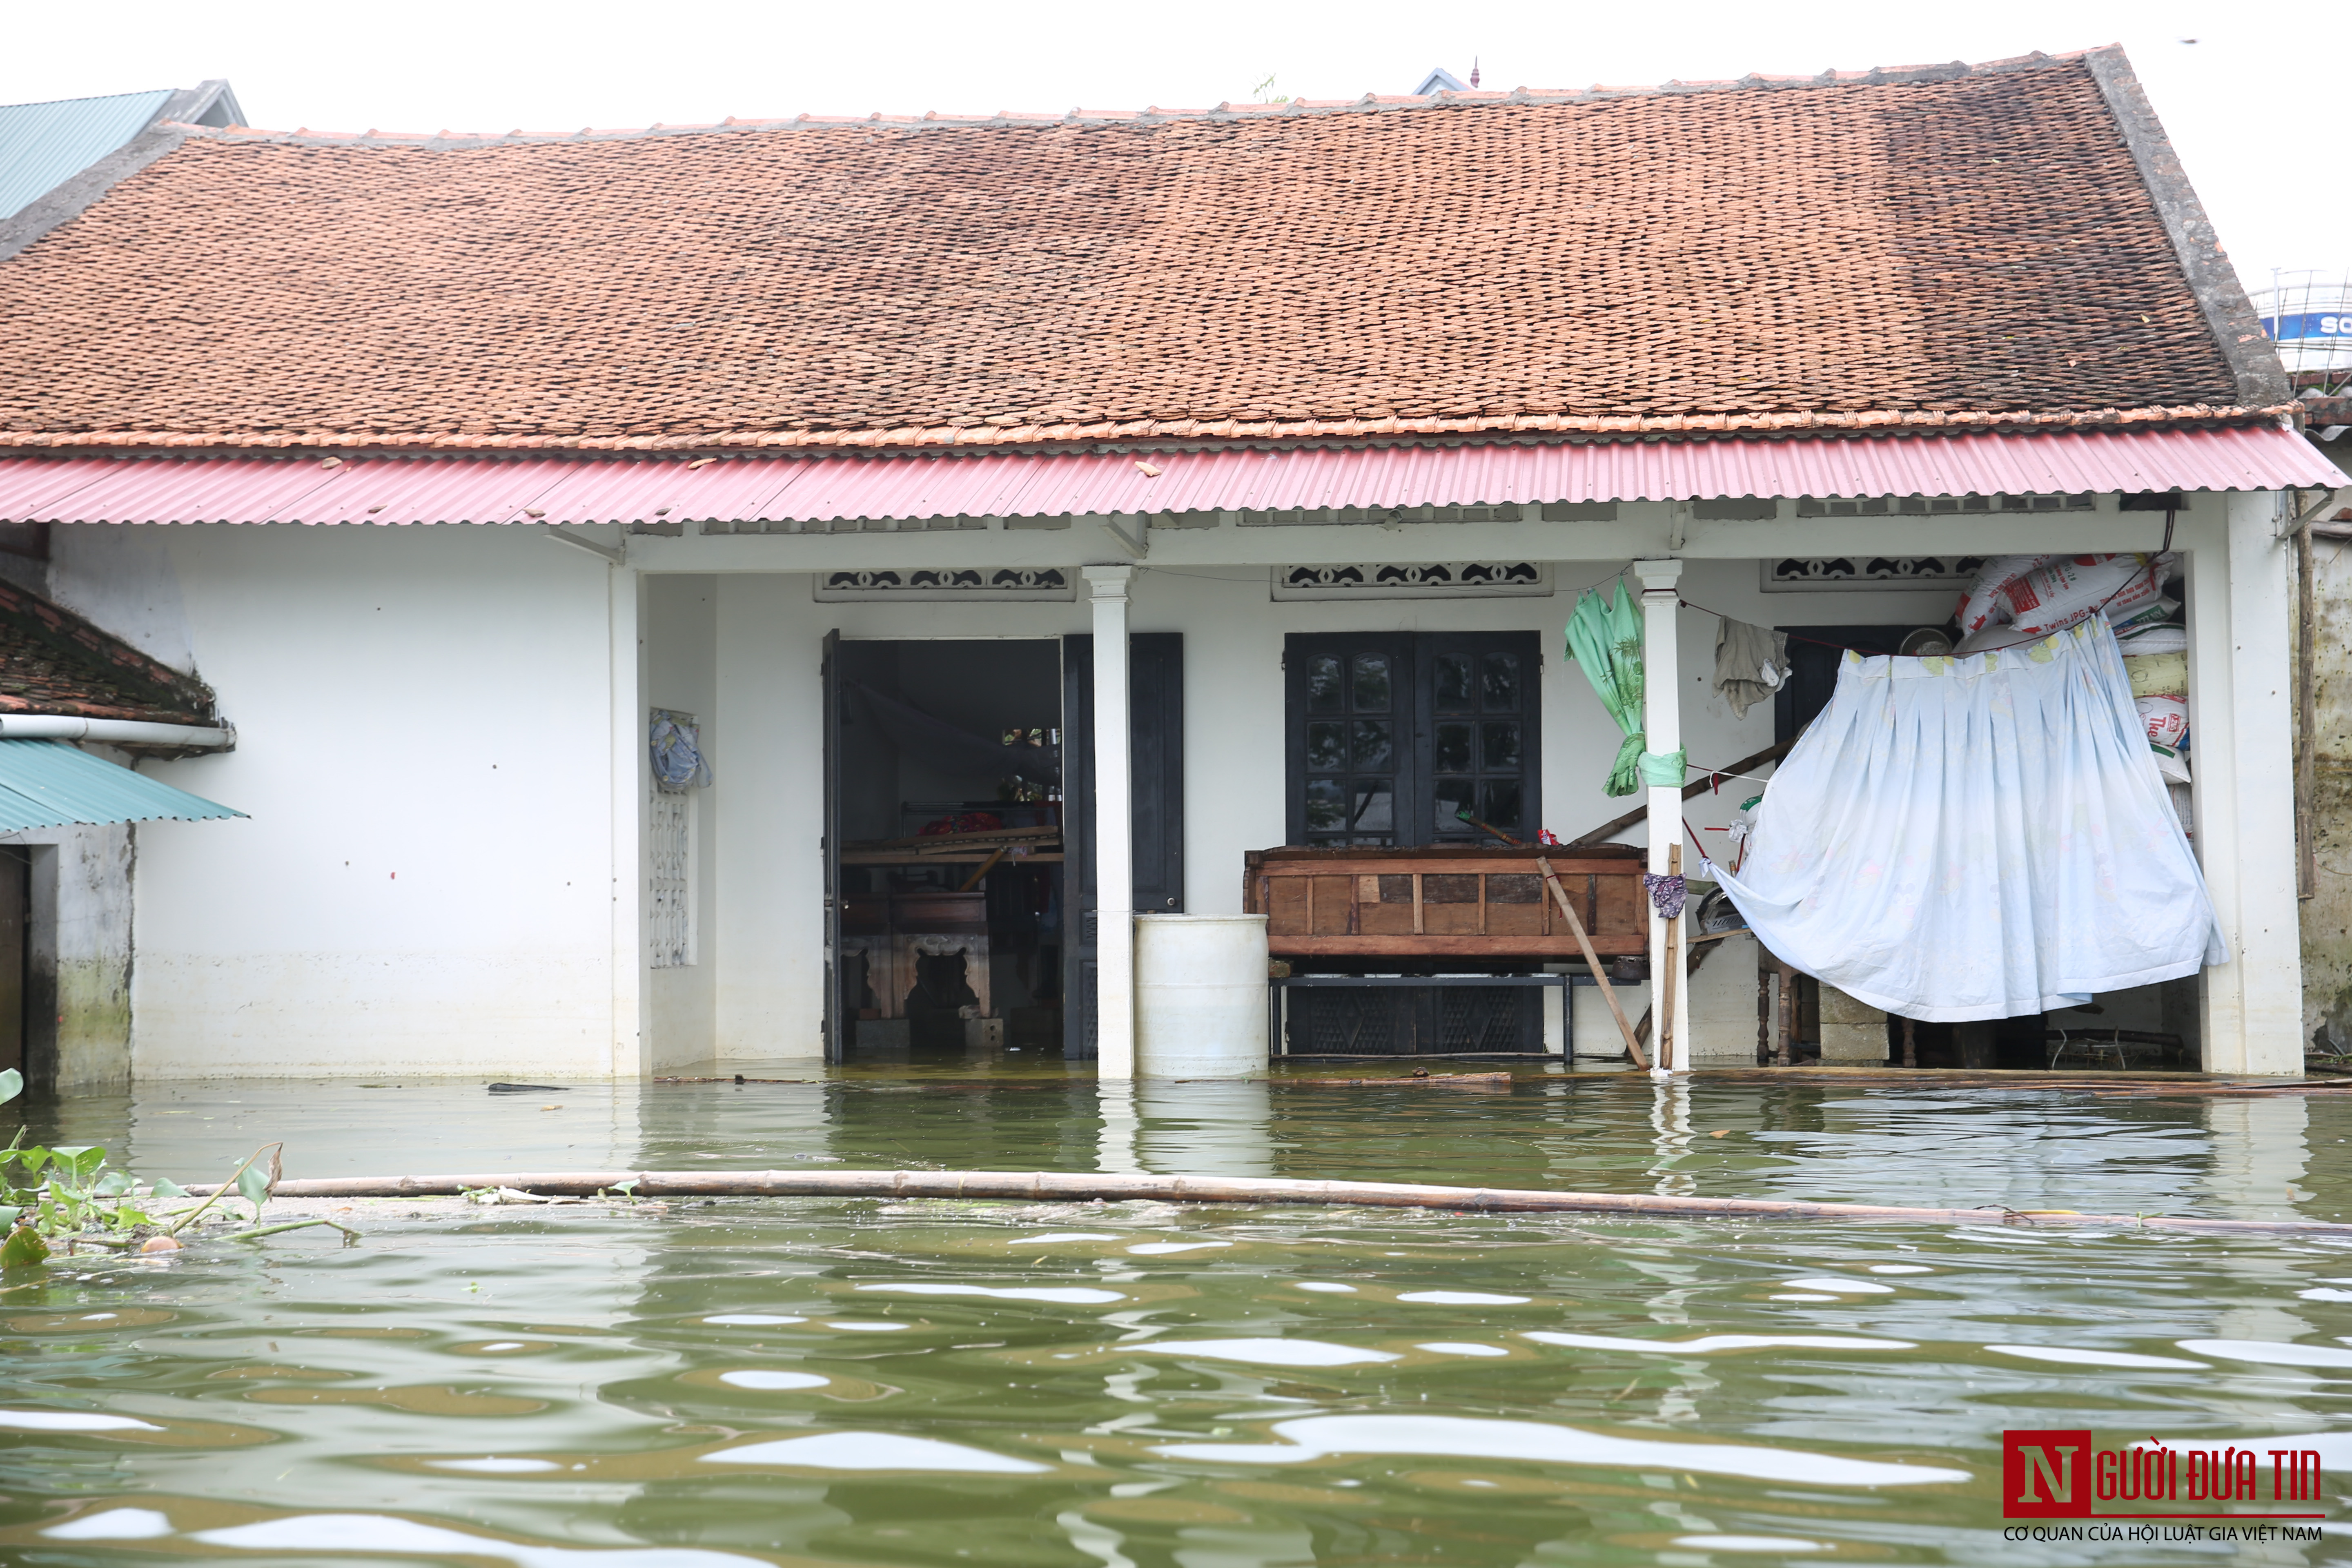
x=2099, y=609
x=1792, y=637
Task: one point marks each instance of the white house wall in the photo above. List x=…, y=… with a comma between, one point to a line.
x=682, y=641
x=771, y=636
x=441, y=746
x=423, y=886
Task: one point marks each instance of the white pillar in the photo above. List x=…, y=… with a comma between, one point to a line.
x=1661, y=722
x=1113, y=828
x=632, y=867
x=2240, y=718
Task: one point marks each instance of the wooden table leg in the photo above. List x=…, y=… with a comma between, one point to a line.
x=1788, y=1016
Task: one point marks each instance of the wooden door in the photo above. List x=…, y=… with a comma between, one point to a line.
x=16, y=923
x=1814, y=655
x=836, y=1014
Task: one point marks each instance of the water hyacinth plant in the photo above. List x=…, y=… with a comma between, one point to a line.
x=72, y=1196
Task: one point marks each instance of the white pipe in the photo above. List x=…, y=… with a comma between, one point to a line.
x=114, y=731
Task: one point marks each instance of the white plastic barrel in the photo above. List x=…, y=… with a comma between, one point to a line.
x=1200, y=995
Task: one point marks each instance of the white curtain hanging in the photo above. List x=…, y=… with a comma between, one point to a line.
x=1979, y=837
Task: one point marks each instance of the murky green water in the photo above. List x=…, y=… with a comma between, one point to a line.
x=796, y=1382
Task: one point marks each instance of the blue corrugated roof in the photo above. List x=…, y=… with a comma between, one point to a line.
x=44, y=144
x=47, y=784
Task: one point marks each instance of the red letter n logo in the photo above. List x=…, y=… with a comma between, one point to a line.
x=2046, y=1475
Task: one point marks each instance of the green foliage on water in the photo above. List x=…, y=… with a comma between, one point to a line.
x=66, y=1190
x=69, y=1191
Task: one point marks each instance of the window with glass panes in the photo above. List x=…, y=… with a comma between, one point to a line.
x=1351, y=734
x=1392, y=735
x=1479, y=691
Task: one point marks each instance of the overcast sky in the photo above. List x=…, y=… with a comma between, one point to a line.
x=2236, y=101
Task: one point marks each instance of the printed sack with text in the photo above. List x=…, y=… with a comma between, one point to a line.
x=2166, y=719
x=1982, y=600
x=2055, y=595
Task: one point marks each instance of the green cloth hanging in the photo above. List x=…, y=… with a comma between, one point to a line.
x=1605, y=639
x=1664, y=770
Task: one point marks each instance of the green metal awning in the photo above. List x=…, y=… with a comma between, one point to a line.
x=48, y=783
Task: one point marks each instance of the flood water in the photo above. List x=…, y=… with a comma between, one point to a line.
x=1128, y=1386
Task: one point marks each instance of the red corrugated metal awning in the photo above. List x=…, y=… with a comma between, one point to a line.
x=824, y=490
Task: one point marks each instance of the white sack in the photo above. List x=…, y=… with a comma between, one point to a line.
x=2059, y=591
x=2000, y=634
x=2140, y=640
x=2157, y=674
x=1983, y=601
x=2166, y=719
x=2145, y=614
x=1980, y=837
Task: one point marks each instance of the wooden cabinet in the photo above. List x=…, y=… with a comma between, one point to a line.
x=1443, y=903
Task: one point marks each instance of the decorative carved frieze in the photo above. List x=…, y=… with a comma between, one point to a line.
x=965, y=585
x=1436, y=580
x=1815, y=573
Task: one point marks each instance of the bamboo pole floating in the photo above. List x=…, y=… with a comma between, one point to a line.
x=1592, y=961
x=1080, y=1187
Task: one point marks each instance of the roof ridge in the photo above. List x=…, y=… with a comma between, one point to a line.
x=1004, y=119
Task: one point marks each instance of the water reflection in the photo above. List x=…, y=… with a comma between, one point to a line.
x=1116, y=1150
x=1670, y=1121
x=930, y=1383
x=2045, y=1148
x=1209, y=1128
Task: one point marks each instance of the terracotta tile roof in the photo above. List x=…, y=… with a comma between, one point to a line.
x=53, y=661
x=1939, y=247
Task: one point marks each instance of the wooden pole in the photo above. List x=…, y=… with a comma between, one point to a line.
x=2307, y=715
x=1763, y=1008
x=973, y=881
x=1490, y=828
x=1611, y=830
x=1112, y=1187
x=1672, y=1056
x=1910, y=1042
x=1788, y=1016
x=1592, y=961
x=2307, y=690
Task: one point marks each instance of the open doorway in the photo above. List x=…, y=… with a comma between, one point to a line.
x=947, y=777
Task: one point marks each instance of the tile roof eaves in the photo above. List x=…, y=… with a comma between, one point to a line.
x=1042, y=438
x=73, y=709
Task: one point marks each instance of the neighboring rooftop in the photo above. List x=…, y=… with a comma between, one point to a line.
x=53, y=661
x=42, y=145
x=1940, y=246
